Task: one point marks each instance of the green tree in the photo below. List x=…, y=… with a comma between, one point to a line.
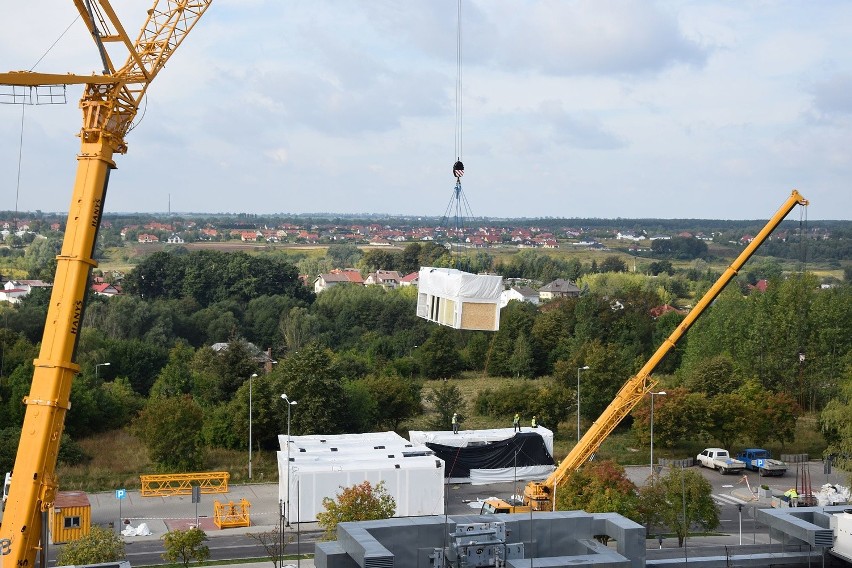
x=99, y=546
x=680, y=415
x=308, y=377
x=714, y=376
x=521, y=362
x=170, y=430
x=836, y=421
x=362, y=410
x=678, y=500
x=379, y=259
x=397, y=399
x=184, y=546
x=613, y=264
x=176, y=377
x=40, y=258
x=361, y=502
x=598, y=487
x=439, y=356
x=297, y=327
x=344, y=256
x=731, y=416
x=446, y=399
x=551, y=403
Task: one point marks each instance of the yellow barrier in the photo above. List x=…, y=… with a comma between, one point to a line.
x=182, y=483
x=229, y=515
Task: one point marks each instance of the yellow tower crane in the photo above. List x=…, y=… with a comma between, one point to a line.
x=109, y=104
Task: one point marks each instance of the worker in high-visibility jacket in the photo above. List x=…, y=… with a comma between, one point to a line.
x=533, y=423
x=455, y=423
x=792, y=496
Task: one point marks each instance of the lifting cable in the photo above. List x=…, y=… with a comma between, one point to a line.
x=458, y=167
x=458, y=207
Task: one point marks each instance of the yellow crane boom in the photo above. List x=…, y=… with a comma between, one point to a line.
x=539, y=495
x=109, y=104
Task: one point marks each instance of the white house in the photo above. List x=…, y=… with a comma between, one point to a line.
x=519, y=293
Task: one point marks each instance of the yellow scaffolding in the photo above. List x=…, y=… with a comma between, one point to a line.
x=169, y=484
x=229, y=515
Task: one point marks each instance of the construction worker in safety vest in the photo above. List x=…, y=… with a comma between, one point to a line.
x=455, y=423
x=516, y=422
x=793, y=496
x=534, y=424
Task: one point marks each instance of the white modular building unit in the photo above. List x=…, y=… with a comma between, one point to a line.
x=459, y=299
x=416, y=483
x=389, y=438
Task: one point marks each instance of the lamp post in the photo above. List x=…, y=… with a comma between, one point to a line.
x=289, y=404
x=253, y=375
x=653, y=394
x=586, y=368
x=97, y=368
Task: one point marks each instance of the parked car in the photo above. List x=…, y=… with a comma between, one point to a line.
x=757, y=459
x=720, y=460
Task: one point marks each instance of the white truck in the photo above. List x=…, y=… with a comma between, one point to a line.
x=720, y=460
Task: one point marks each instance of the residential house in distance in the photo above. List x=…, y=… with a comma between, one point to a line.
x=559, y=288
x=106, y=289
x=337, y=277
x=519, y=293
x=14, y=290
x=410, y=279
x=386, y=278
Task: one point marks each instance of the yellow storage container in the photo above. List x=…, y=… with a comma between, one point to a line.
x=71, y=517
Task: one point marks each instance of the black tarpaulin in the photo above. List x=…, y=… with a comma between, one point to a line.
x=527, y=447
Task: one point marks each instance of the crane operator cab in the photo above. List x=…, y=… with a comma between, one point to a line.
x=496, y=506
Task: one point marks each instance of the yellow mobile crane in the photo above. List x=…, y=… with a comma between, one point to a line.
x=109, y=104
x=539, y=496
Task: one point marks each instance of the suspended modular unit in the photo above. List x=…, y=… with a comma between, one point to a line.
x=491, y=456
x=459, y=299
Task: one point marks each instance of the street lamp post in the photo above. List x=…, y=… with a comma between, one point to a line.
x=97, y=368
x=653, y=394
x=586, y=368
x=289, y=404
x=253, y=375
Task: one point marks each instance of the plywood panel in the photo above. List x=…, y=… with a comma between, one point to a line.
x=479, y=316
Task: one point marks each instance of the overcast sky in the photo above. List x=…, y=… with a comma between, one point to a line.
x=598, y=108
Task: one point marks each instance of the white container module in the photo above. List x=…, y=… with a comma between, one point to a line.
x=415, y=483
x=459, y=299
